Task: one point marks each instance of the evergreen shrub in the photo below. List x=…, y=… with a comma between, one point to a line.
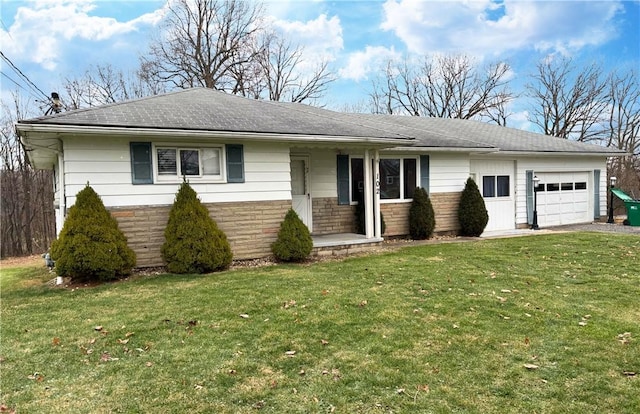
x=422, y=219
x=472, y=213
x=91, y=247
x=193, y=242
x=294, y=243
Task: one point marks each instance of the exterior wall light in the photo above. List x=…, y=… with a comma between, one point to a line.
x=534, y=225
x=611, y=187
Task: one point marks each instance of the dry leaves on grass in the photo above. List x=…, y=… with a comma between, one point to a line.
x=5, y=409
x=624, y=338
x=36, y=376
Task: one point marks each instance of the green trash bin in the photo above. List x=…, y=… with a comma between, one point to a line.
x=633, y=206
x=633, y=212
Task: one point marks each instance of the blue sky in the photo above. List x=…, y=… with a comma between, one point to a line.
x=50, y=40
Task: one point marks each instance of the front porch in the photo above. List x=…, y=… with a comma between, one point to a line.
x=342, y=244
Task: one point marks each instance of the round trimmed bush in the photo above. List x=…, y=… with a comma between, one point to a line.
x=91, y=247
x=472, y=212
x=422, y=219
x=294, y=243
x=193, y=242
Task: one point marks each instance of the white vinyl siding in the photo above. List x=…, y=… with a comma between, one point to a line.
x=108, y=171
x=322, y=172
x=448, y=172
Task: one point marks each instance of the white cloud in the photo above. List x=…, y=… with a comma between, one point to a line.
x=483, y=27
x=321, y=38
x=41, y=29
x=371, y=59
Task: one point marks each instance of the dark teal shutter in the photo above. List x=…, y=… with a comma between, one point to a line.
x=596, y=194
x=235, y=163
x=343, y=179
x=141, y=164
x=529, y=185
x=424, y=172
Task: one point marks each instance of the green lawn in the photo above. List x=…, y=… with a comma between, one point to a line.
x=435, y=328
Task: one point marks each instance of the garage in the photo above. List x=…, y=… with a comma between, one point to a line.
x=563, y=198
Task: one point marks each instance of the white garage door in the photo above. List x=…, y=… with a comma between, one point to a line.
x=563, y=198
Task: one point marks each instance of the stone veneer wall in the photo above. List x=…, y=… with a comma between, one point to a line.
x=396, y=218
x=331, y=218
x=250, y=227
x=445, y=206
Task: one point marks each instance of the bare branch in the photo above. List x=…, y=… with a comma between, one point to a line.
x=445, y=87
x=568, y=103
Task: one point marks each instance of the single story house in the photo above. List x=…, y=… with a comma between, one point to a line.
x=251, y=160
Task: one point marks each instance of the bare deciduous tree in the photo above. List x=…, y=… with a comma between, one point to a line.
x=567, y=102
x=623, y=124
x=448, y=86
x=104, y=84
x=202, y=41
x=26, y=213
x=280, y=68
x=226, y=45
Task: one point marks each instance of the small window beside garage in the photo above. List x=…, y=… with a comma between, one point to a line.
x=495, y=186
x=502, y=185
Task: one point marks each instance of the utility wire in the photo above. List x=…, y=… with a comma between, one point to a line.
x=6, y=29
x=16, y=83
x=21, y=74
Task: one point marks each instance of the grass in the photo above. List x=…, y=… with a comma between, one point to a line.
x=434, y=328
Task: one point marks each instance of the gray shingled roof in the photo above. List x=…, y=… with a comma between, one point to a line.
x=424, y=137
x=506, y=139
x=202, y=109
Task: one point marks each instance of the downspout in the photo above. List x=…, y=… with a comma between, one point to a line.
x=63, y=199
x=376, y=196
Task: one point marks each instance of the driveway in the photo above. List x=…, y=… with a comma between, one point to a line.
x=599, y=227
x=596, y=226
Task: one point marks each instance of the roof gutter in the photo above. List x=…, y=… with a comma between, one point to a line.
x=178, y=133
x=413, y=148
x=616, y=153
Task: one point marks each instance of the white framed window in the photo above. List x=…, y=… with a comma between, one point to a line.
x=198, y=164
x=398, y=178
x=496, y=186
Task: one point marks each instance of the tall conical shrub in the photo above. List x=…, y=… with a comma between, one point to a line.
x=294, y=243
x=193, y=242
x=422, y=219
x=472, y=213
x=91, y=247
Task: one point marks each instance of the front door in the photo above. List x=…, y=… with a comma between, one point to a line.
x=300, y=194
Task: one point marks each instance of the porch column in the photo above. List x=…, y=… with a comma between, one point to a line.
x=368, y=195
x=376, y=195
